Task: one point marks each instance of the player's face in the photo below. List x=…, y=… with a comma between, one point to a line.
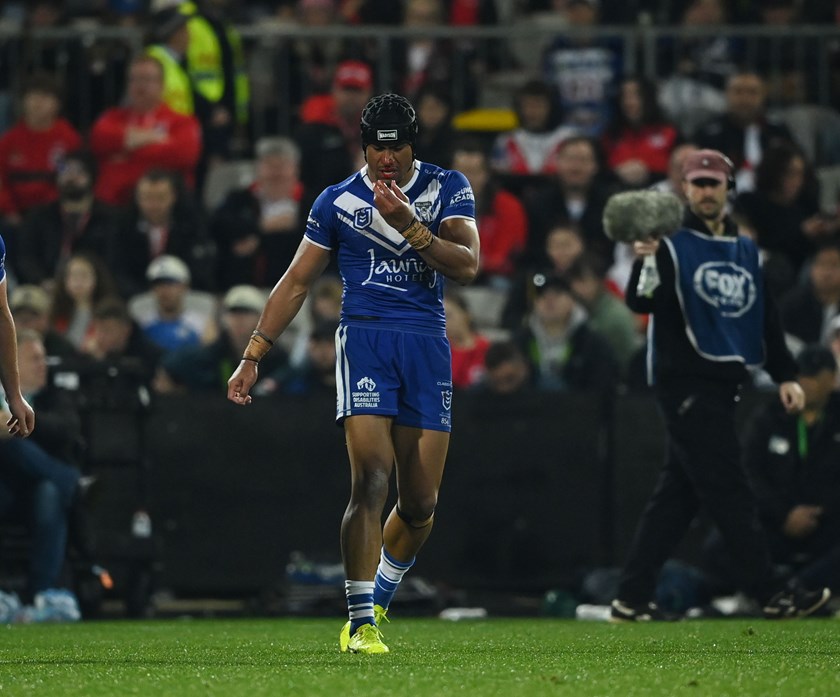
x=390, y=162
x=706, y=197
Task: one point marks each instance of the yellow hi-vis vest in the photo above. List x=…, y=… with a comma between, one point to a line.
x=177, y=89
x=204, y=62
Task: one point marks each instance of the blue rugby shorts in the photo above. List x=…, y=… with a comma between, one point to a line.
x=394, y=373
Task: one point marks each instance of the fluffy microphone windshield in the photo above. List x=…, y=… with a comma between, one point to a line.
x=640, y=215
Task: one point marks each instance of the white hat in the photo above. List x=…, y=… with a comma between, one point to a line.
x=168, y=268
x=244, y=298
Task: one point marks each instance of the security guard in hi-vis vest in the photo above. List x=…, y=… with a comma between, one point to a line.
x=171, y=37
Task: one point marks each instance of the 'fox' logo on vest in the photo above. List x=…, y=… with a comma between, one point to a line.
x=726, y=286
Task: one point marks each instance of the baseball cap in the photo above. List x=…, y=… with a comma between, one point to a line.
x=815, y=358
x=244, y=298
x=167, y=268
x=30, y=297
x=550, y=281
x=354, y=75
x=711, y=164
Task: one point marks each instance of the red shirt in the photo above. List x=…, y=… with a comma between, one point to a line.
x=650, y=144
x=468, y=364
x=120, y=169
x=503, y=233
x=28, y=163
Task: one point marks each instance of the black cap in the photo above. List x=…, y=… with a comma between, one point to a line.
x=550, y=280
x=814, y=359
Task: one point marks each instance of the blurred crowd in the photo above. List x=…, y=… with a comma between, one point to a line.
x=158, y=160
x=146, y=216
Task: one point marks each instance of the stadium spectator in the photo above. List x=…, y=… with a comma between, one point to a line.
x=638, y=139
x=80, y=283
x=30, y=306
x=808, y=308
x=169, y=315
x=40, y=485
x=162, y=219
x=435, y=137
x=564, y=351
x=116, y=338
x=502, y=223
x=324, y=305
x=216, y=67
x=77, y=222
x=507, y=371
x=583, y=70
x=315, y=374
x=531, y=149
x=468, y=344
x=576, y=194
x=257, y=229
x=169, y=41
x=207, y=368
x=142, y=135
x=563, y=245
x=782, y=214
x=791, y=460
x=33, y=149
x=608, y=315
x=328, y=136
x=672, y=183
x=743, y=132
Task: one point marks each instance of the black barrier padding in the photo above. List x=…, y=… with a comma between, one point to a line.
x=233, y=491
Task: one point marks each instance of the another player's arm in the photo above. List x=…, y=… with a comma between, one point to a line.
x=283, y=304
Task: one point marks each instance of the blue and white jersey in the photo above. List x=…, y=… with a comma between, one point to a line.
x=384, y=277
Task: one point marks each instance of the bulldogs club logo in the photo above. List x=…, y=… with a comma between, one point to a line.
x=424, y=211
x=726, y=286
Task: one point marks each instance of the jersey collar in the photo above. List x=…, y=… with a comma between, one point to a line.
x=364, y=172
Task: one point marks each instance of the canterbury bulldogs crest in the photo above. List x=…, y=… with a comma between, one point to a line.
x=726, y=286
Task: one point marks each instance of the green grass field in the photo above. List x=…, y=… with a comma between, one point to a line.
x=428, y=657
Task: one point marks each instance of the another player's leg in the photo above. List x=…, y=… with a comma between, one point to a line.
x=420, y=455
x=371, y=462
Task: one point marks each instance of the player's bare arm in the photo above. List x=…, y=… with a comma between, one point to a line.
x=455, y=251
x=283, y=304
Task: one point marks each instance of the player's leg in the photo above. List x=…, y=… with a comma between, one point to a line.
x=420, y=456
x=371, y=463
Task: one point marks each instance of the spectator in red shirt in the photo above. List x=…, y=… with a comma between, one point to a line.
x=145, y=134
x=639, y=139
x=31, y=150
x=501, y=218
x=468, y=345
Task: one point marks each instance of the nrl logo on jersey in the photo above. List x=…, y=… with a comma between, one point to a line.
x=446, y=399
x=362, y=218
x=424, y=211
